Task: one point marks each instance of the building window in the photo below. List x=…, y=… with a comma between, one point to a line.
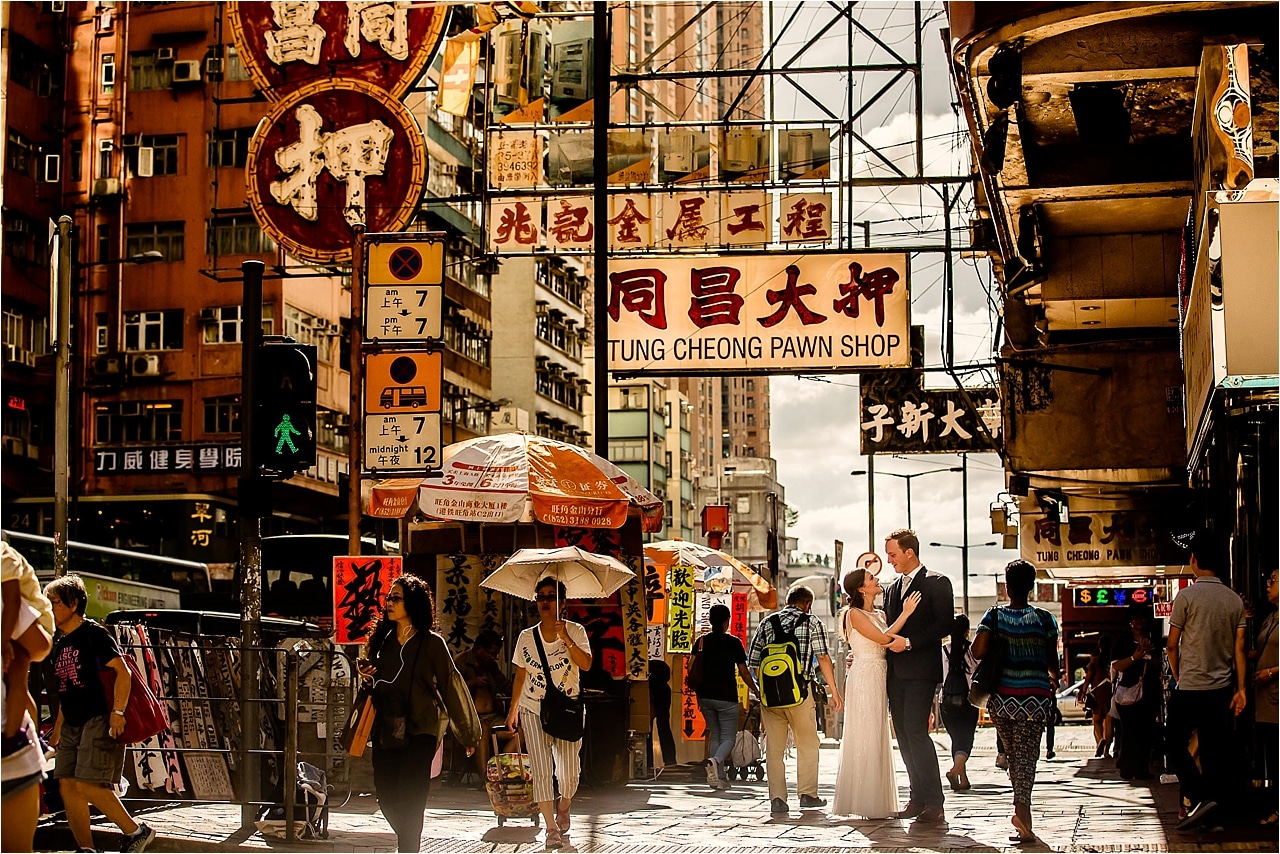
x=230, y=147
x=104, y=243
x=101, y=330
x=148, y=73
x=153, y=330
x=75, y=166
x=17, y=155
x=164, y=154
x=565, y=388
x=222, y=323
x=743, y=504
x=105, y=147
x=300, y=326
x=751, y=402
x=751, y=419
x=237, y=235
x=744, y=542
x=31, y=67
x=332, y=430
x=751, y=385
x=108, y=73
x=163, y=237
x=20, y=238
x=467, y=338
x=627, y=450
x=222, y=414
x=633, y=397
x=235, y=65
x=137, y=421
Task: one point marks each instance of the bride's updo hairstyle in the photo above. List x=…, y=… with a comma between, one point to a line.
x=853, y=587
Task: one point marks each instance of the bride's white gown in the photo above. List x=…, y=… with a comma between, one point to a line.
x=865, y=784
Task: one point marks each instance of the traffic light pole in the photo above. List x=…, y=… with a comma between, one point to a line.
x=250, y=497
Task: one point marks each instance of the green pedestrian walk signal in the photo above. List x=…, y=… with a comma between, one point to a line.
x=285, y=420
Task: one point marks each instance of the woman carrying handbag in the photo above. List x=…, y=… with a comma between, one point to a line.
x=416, y=697
x=550, y=657
x=1021, y=697
x=1136, y=693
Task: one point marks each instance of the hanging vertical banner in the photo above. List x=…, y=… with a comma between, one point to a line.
x=680, y=610
x=693, y=727
x=360, y=586
x=634, y=643
x=459, y=599
x=655, y=597
x=657, y=649
x=461, y=56
x=738, y=617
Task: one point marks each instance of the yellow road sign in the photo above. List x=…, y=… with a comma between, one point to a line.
x=402, y=382
x=401, y=260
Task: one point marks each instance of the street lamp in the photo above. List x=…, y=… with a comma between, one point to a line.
x=870, y=472
x=964, y=564
x=63, y=379
x=908, y=478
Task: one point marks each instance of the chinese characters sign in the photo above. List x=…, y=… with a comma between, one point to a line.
x=776, y=312
x=680, y=609
x=465, y=608
x=639, y=221
x=285, y=45
x=1122, y=538
x=635, y=645
x=360, y=586
x=166, y=459
x=330, y=156
x=898, y=416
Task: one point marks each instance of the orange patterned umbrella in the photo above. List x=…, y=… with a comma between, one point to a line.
x=519, y=477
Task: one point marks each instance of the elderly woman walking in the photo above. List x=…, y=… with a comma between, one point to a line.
x=556, y=650
x=1023, y=699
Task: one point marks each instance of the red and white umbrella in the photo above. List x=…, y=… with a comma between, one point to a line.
x=519, y=477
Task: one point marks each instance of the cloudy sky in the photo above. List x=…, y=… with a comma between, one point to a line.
x=815, y=435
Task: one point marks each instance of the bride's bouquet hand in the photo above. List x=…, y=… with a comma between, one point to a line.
x=910, y=604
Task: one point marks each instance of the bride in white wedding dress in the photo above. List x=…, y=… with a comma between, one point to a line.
x=865, y=784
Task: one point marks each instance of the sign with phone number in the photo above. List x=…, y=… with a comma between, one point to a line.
x=1112, y=597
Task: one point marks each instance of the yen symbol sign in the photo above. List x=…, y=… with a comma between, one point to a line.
x=405, y=263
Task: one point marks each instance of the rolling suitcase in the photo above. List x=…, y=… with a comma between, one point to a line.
x=509, y=782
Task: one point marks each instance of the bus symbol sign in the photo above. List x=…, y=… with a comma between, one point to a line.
x=402, y=382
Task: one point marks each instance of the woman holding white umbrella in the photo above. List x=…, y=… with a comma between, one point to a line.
x=558, y=649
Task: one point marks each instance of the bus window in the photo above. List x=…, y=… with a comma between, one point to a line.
x=297, y=573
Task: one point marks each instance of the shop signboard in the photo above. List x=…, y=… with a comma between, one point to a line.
x=285, y=46
x=330, y=156
x=758, y=313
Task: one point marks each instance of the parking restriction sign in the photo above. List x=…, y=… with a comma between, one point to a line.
x=402, y=382
x=404, y=292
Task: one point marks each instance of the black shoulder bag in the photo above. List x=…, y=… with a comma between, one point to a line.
x=562, y=716
x=986, y=676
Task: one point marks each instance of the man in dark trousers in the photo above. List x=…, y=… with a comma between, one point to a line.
x=915, y=669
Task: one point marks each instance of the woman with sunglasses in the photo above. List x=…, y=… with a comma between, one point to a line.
x=568, y=654
x=411, y=669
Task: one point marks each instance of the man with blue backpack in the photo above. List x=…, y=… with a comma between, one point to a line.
x=783, y=651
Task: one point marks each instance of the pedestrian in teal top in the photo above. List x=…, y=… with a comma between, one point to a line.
x=1023, y=700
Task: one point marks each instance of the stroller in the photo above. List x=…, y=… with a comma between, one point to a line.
x=747, y=755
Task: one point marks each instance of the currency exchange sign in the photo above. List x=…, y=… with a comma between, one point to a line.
x=287, y=45
x=332, y=155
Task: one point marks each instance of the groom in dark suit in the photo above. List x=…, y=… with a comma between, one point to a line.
x=915, y=669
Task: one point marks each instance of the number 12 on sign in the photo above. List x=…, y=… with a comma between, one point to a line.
x=402, y=443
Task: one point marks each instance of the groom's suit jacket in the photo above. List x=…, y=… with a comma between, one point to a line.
x=926, y=627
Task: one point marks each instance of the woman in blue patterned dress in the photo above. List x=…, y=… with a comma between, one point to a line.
x=1023, y=700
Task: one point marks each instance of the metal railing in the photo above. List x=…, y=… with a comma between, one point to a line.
x=281, y=682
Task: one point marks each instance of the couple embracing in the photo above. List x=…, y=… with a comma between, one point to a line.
x=894, y=666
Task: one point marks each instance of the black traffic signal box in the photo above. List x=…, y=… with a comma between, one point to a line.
x=284, y=430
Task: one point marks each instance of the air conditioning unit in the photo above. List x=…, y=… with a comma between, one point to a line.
x=51, y=173
x=144, y=365
x=146, y=162
x=107, y=366
x=213, y=67
x=57, y=6
x=164, y=54
x=29, y=358
x=186, y=71
x=106, y=187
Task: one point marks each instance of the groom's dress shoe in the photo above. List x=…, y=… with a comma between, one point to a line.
x=911, y=810
x=931, y=815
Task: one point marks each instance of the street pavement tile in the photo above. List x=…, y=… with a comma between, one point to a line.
x=1080, y=804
